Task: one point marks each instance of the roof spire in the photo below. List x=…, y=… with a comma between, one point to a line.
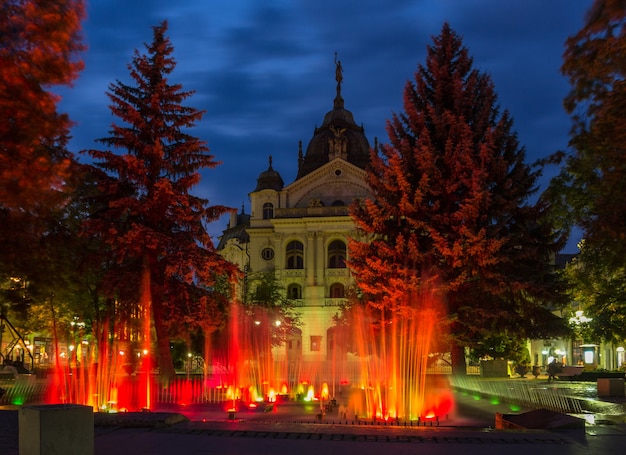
x=270, y=160
x=338, y=104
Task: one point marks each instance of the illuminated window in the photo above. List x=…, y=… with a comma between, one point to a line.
x=337, y=255
x=316, y=343
x=295, y=255
x=268, y=210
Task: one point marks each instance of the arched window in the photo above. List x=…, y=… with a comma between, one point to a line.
x=294, y=291
x=295, y=255
x=337, y=255
x=268, y=210
x=337, y=291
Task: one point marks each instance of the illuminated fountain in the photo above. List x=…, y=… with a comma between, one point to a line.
x=394, y=383
x=103, y=372
x=385, y=379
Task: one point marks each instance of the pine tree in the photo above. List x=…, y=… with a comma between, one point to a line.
x=450, y=209
x=155, y=226
x=591, y=186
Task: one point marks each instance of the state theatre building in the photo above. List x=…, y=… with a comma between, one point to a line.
x=301, y=231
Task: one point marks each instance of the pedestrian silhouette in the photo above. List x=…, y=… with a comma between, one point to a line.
x=553, y=369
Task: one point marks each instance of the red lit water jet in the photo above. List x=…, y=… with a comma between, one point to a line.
x=384, y=378
x=394, y=382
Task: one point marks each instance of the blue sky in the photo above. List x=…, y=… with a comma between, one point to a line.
x=264, y=71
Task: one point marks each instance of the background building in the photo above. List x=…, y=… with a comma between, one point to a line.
x=301, y=231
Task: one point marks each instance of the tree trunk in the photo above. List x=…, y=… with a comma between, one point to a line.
x=457, y=354
x=153, y=312
x=166, y=364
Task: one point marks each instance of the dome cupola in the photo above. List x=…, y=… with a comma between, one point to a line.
x=338, y=137
x=269, y=179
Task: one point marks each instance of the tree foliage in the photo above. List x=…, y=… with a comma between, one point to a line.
x=39, y=50
x=591, y=186
x=594, y=175
x=451, y=209
x=599, y=288
x=266, y=301
x=153, y=224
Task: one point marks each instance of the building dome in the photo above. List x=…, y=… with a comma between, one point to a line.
x=338, y=137
x=269, y=179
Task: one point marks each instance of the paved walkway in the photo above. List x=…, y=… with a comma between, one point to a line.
x=293, y=429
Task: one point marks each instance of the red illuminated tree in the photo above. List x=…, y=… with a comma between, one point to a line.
x=40, y=44
x=451, y=210
x=154, y=225
x=38, y=50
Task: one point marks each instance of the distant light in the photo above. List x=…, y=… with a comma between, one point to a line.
x=580, y=318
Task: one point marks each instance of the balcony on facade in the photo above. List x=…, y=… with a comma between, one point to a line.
x=304, y=212
x=325, y=302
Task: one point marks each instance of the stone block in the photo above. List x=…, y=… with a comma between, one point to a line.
x=610, y=387
x=539, y=419
x=63, y=429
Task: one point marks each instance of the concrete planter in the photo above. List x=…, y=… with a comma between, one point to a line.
x=610, y=387
x=63, y=429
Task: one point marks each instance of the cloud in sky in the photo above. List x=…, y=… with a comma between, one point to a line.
x=264, y=71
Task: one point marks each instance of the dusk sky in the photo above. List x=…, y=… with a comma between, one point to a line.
x=264, y=71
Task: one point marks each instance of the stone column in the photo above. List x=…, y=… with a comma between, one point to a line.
x=309, y=258
x=320, y=259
